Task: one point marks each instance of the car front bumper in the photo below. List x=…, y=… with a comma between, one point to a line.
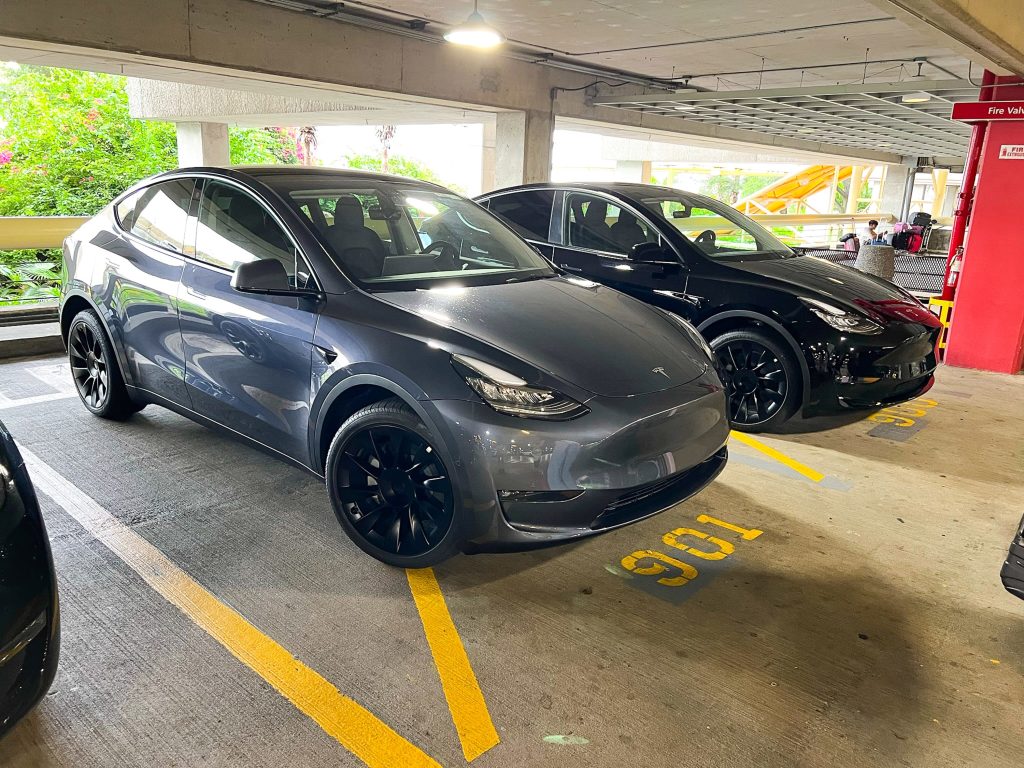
x=531, y=483
x=29, y=612
x=862, y=372
x=1012, y=572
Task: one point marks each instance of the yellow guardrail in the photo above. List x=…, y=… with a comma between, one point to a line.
x=24, y=232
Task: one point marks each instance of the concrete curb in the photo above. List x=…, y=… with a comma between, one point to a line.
x=30, y=340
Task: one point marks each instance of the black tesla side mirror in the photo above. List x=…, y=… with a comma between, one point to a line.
x=265, y=276
x=652, y=253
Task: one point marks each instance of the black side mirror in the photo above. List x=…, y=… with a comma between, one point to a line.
x=652, y=253
x=267, y=276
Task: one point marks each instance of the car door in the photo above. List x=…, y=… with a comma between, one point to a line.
x=598, y=234
x=528, y=212
x=142, y=293
x=247, y=356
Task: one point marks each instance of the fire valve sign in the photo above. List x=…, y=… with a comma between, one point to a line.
x=982, y=111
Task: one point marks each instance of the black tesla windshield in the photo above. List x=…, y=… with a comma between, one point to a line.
x=392, y=236
x=716, y=230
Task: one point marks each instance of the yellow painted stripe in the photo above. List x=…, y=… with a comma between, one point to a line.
x=461, y=690
x=767, y=450
x=356, y=728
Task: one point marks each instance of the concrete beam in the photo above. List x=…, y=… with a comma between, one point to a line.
x=214, y=41
x=989, y=32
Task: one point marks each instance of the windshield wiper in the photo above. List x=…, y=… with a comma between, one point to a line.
x=526, y=278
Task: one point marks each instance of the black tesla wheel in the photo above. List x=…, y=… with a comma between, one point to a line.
x=94, y=369
x=760, y=379
x=390, y=489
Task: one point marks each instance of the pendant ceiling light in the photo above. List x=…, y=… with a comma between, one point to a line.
x=475, y=32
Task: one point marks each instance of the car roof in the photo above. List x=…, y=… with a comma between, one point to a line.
x=269, y=171
x=622, y=188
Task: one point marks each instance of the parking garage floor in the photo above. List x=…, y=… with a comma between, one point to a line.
x=854, y=614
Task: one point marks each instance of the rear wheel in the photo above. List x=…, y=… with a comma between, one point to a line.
x=390, y=489
x=761, y=379
x=95, y=370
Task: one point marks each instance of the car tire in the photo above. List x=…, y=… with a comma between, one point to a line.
x=95, y=370
x=390, y=489
x=761, y=376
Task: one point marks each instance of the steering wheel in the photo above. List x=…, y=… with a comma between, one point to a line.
x=447, y=258
x=706, y=239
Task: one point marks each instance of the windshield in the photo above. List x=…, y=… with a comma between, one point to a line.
x=715, y=229
x=391, y=236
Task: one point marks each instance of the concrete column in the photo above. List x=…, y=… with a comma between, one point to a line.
x=523, y=145
x=856, y=182
x=487, y=158
x=646, y=172
x=203, y=144
x=893, y=190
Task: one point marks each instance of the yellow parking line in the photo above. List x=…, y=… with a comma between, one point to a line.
x=355, y=728
x=461, y=690
x=767, y=450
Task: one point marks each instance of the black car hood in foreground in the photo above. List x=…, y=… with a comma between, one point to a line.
x=593, y=337
x=822, y=280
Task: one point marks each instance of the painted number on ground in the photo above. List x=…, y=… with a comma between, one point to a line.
x=693, y=556
x=901, y=422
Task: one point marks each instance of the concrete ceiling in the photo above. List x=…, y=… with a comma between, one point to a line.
x=722, y=43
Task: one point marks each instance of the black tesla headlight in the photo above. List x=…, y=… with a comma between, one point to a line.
x=841, y=319
x=507, y=393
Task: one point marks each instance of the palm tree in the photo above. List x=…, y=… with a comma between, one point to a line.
x=385, y=134
x=307, y=138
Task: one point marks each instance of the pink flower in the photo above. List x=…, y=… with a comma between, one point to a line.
x=93, y=114
x=6, y=156
x=99, y=102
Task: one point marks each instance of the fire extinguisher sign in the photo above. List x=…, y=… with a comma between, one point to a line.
x=1011, y=152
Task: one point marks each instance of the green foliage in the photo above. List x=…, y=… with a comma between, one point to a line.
x=68, y=146
x=398, y=165
x=732, y=187
x=262, y=146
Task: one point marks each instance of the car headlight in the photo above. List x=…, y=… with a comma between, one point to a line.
x=693, y=333
x=507, y=393
x=840, y=319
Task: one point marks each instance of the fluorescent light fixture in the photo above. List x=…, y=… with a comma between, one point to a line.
x=917, y=97
x=685, y=107
x=474, y=32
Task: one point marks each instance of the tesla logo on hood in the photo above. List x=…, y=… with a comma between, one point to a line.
x=660, y=370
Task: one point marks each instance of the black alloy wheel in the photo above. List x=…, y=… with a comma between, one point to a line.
x=95, y=371
x=759, y=379
x=88, y=365
x=390, y=488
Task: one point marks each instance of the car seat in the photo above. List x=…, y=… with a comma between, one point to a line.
x=360, y=248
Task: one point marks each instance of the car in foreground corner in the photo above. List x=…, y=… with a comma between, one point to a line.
x=1012, y=572
x=29, y=611
x=453, y=389
x=792, y=333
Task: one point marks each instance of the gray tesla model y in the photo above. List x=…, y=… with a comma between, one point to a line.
x=455, y=390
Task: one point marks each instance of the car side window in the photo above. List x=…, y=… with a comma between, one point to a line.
x=600, y=225
x=527, y=212
x=158, y=214
x=234, y=228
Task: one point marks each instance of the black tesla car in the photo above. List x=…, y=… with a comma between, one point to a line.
x=1013, y=569
x=29, y=613
x=455, y=391
x=790, y=332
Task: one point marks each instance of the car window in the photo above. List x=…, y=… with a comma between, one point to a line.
x=235, y=228
x=599, y=224
x=527, y=212
x=158, y=214
x=395, y=236
x=716, y=230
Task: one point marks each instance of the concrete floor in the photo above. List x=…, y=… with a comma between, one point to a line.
x=865, y=626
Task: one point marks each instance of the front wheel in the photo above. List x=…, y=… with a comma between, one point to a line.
x=390, y=489
x=761, y=379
